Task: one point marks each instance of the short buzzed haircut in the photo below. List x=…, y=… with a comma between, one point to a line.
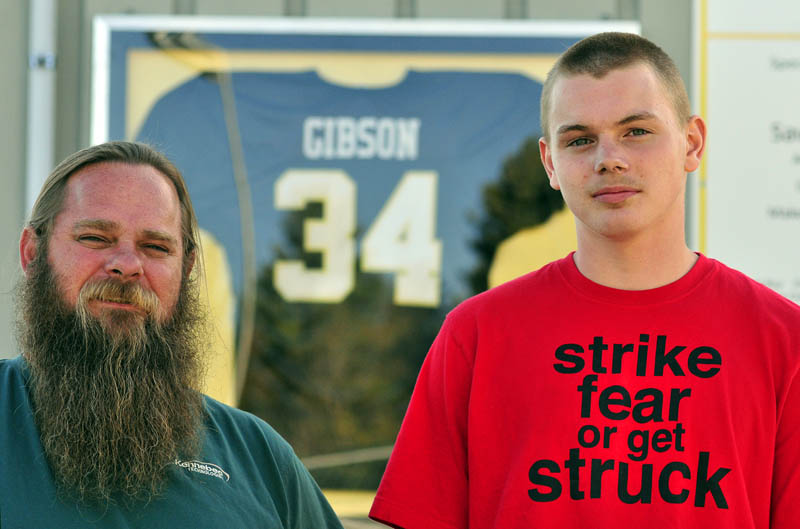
x=602, y=53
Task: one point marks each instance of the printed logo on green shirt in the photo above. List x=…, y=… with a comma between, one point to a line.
x=209, y=469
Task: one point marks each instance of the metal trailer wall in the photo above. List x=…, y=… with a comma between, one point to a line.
x=666, y=23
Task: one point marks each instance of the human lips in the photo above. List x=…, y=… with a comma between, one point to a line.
x=120, y=304
x=117, y=301
x=614, y=194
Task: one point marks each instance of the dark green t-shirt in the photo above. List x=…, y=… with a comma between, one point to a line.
x=246, y=476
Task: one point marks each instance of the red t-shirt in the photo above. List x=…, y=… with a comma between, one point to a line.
x=554, y=402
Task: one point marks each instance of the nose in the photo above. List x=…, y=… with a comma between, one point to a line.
x=610, y=158
x=124, y=264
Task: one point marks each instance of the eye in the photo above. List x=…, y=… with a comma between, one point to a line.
x=91, y=239
x=638, y=132
x=578, y=142
x=159, y=248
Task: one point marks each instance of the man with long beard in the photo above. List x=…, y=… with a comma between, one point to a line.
x=102, y=423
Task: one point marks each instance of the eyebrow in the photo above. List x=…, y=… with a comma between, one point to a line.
x=97, y=224
x=110, y=225
x=563, y=129
x=159, y=236
x=639, y=116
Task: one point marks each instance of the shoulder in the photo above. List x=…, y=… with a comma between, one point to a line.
x=6, y=367
x=263, y=455
x=757, y=313
x=14, y=393
x=242, y=436
x=759, y=300
x=13, y=372
x=509, y=297
x=499, y=310
x=10, y=365
x=237, y=426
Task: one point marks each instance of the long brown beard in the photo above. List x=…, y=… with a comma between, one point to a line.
x=115, y=397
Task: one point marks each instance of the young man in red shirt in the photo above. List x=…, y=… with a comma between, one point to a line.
x=634, y=383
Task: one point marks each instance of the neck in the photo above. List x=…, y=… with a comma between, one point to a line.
x=633, y=264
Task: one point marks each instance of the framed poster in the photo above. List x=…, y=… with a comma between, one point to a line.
x=342, y=172
x=747, y=80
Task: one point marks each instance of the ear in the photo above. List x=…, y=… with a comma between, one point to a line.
x=695, y=143
x=28, y=245
x=189, y=264
x=547, y=161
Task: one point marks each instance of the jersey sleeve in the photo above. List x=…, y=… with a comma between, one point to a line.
x=785, y=503
x=425, y=485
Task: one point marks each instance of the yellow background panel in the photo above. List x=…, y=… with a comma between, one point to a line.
x=216, y=297
x=532, y=248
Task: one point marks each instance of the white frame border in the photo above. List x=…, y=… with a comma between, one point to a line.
x=103, y=25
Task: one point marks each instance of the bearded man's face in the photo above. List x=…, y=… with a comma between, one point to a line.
x=111, y=333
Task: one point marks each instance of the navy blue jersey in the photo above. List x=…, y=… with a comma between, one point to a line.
x=458, y=125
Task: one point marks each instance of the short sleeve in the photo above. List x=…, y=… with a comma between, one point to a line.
x=306, y=505
x=425, y=485
x=785, y=503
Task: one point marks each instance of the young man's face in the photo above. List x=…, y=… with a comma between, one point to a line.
x=619, y=156
x=118, y=221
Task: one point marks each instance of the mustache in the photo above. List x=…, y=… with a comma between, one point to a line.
x=113, y=290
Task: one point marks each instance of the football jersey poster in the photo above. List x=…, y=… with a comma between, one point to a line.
x=338, y=171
